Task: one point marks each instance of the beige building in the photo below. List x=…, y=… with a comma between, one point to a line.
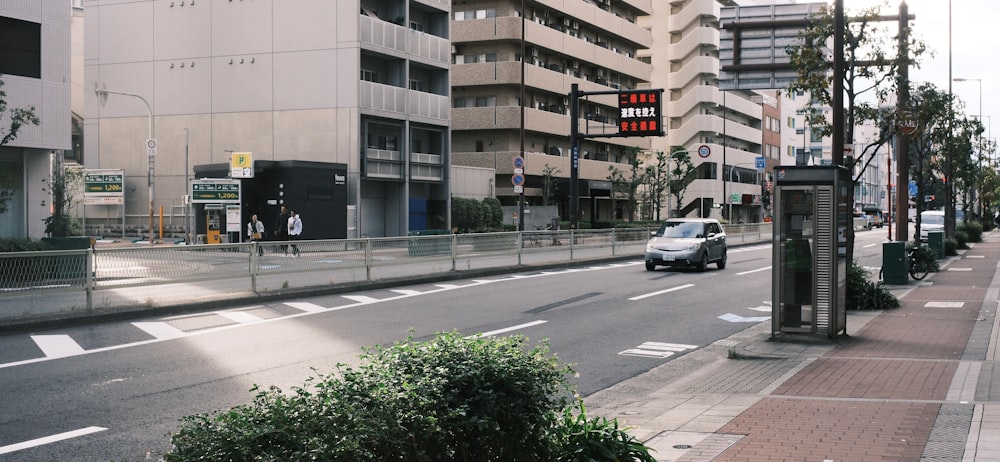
x=592, y=43
x=721, y=130
x=36, y=72
x=361, y=83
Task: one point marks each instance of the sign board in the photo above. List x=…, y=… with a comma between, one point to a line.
x=151, y=147
x=640, y=113
x=215, y=191
x=752, y=43
x=241, y=165
x=760, y=163
x=234, y=223
x=104, y=183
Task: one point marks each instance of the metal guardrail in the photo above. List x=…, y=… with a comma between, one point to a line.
x=110, y=277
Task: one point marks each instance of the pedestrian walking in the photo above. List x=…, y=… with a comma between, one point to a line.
x=281, y=229
x=294, y=230
x=255, y=233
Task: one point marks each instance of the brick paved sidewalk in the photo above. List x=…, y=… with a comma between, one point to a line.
x=878, y=395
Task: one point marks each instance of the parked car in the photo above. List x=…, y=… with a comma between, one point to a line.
x=930, y=220
x=687, y=242
x=876, y=220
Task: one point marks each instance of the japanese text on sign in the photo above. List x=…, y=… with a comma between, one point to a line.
x=640, y=113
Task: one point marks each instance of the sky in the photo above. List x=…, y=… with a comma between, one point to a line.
x=973, y=49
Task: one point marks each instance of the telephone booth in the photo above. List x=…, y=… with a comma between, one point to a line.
x=811, y=221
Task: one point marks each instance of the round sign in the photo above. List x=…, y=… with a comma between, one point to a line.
x=518, y=162
x=704, y=151
x=517, y=180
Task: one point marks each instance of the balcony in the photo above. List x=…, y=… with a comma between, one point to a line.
x=426, y=167
x=382, y=163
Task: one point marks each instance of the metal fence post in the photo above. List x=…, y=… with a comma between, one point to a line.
x=520, y=246
x=572, y=242
x=89, y=280
x=613, y=242
x=454, y=250
x=368, y=258
x=253, y=266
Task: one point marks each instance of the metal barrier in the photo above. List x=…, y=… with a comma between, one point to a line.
x=105, y=278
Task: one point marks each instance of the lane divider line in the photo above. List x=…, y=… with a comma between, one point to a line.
x=49, y=439
x=660, y=292
x=754, y=271
x=508, y=329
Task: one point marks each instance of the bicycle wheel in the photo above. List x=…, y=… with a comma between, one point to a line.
x=918, y=269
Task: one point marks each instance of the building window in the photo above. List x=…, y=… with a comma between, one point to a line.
x=20, y=48
x=486, y=101
x=369, y=76
x=416, y=85
x=459, y=102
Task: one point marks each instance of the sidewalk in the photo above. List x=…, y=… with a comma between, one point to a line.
x=919, y=382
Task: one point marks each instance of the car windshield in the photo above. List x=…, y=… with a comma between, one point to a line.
x=932, y=219
x=681, y=229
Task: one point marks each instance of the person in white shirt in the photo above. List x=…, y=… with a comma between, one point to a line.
x=255, y=233
x=294, y=230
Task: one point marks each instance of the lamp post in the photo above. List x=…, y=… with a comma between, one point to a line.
x=979, y=144
x=102, y=97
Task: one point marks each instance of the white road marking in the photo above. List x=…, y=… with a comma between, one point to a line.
x=307, y=307
x=660, y=292
x=944, y=304
x=406, y=291
x=763, y=308
x=239, y=316
x=975, y=256
x=657, y=350
x=734, y=318
x=360, y=298
x=508, y=329
x=160, y=330
x=869, y=245
x=57, y=346
x=959, y=269
x=754, y=271
x=447, y=286
x=49, y=439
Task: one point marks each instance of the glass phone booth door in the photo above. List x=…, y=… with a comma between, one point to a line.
x=795, y=257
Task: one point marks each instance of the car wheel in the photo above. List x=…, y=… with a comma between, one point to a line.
x=650, y=266
x=703, y=264
x=722, y=261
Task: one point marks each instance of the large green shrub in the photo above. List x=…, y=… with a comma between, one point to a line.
x=450, y=398
x=472, y=216
x=865, y=294
x=973, y=229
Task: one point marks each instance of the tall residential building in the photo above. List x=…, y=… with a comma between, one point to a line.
x=300, y=84
x=591, y=43
x=721, y=130
x=35, y=69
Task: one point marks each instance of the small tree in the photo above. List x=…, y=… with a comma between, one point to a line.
x=65, y=185
x=678, y=175
x=550, y=184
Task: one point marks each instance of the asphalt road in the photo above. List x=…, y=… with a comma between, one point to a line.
x=116, y=391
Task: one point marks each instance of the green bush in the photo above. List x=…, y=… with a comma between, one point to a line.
x=472, y=216
x=449, y=398
x=973, y=229
x=962, y=239
x=22, y=245
x=923, y=253
x=863, y=294
x=951, y=247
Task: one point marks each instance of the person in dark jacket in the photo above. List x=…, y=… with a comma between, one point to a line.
x=281, y=229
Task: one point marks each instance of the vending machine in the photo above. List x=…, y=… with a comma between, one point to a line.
x=213, y=223
x=809, y=271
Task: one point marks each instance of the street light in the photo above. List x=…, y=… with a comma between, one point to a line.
x=979, y=144
x=102, y=98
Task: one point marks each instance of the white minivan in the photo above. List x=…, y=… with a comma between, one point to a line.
x=930, y=220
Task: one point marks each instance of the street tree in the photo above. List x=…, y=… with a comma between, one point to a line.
x=19, y=117
x=870, y=72
x=550, y=184
x=680, y=175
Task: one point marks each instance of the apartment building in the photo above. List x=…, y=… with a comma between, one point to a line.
x=361, y=85
x=35, y=69
x=592, y=43
x=721, y=130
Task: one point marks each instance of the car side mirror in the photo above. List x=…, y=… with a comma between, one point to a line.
x=711, y=235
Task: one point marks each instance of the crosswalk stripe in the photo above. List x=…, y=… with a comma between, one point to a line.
x=57, y=346
x=360, y=298
x=160, y=330
x=407, y=291
x=241, y=317
x=307, y=307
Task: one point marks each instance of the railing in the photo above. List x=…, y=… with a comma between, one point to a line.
x=119, y=278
